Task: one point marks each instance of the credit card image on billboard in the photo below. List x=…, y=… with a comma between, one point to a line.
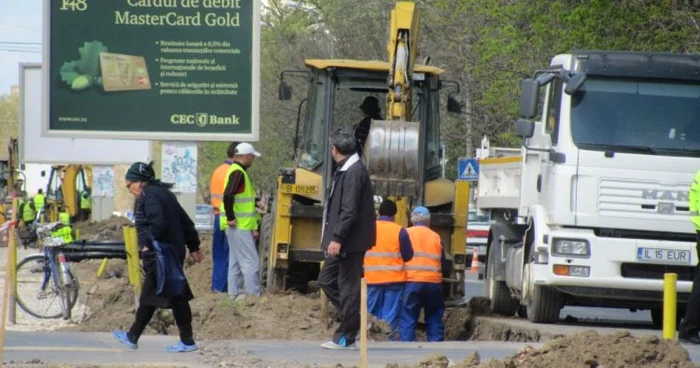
x=124, y=72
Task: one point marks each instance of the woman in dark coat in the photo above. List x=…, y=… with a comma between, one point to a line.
x=159, y=217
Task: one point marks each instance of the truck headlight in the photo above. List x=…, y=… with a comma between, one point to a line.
x=571, y=248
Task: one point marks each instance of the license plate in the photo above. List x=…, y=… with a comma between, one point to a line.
x=300, y=189
x=668, y=256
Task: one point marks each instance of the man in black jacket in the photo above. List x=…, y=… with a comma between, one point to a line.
x=349, y=230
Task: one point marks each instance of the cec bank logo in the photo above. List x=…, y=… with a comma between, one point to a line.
x=202, y=119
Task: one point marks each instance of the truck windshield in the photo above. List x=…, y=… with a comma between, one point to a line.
x=633, y=115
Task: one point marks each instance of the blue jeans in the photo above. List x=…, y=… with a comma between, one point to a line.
x=428, y=296
x=219, y=253
x=385, y=303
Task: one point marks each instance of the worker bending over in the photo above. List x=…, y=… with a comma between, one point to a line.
x=384, y=268
x=424, y=285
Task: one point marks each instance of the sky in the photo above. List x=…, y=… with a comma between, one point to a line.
x=20, y=21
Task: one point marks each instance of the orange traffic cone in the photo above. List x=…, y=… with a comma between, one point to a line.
x=475, y=262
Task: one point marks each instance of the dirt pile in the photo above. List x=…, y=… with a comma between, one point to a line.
x=110, y=229
x=461, y=322
x=584, y=350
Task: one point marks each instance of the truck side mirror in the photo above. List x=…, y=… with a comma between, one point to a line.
x=524, y=128
x=529, y=93
x=285, y=91
x=453, y=104
x=22, y=167
x=43, y=173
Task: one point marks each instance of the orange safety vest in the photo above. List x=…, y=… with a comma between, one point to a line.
x=426, y=265
x=216, y=186
x=383, y=263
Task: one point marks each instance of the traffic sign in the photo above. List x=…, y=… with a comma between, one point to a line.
x=468, y=169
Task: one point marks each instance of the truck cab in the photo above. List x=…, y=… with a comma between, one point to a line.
x=595, y=210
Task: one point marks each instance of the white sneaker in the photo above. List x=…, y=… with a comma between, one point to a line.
x=239, y=298
x=333, y=346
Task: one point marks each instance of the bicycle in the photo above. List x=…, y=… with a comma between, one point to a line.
x=56, y=281
x=55, y=278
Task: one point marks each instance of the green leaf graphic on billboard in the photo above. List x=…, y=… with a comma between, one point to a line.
x=69, y=71
x=89, y=62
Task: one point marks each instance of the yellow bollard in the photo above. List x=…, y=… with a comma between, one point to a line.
x=670, y=304
x=101, y=270
x=12, y=249
x=363, y=323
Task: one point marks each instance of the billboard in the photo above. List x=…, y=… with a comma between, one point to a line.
x=37, y=149
x=183, y=70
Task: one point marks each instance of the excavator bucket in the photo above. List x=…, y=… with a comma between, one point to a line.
x=391, y=155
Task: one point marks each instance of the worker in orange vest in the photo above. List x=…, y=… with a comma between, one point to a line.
x=384, y=268
x=219, y=250
x=424, y=285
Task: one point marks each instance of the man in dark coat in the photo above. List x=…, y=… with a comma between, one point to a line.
x=160, y=218
x=349, y=230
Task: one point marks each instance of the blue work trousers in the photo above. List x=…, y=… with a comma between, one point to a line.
x=219, y=252
x=424, y=295
x=385, y=303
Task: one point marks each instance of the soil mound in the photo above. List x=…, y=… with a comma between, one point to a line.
x=584, y=350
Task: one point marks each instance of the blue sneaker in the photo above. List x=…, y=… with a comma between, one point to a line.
x=180, y=347
x=124, y=339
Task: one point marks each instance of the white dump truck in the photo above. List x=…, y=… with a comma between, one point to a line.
x=595, y=209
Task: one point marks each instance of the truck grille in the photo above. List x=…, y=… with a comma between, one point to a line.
x=655, y=272
x=619, y=198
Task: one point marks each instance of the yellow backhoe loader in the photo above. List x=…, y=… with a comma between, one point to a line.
x=402, y=153
x=63, y=191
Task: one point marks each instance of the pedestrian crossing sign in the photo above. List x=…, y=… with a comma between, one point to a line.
x=468, y=169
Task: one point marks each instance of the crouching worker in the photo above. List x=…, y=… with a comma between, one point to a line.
x=424, y=285
x=164, y=229
x=384, y=268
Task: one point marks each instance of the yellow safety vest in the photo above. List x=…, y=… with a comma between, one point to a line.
x=64, y=218
x=65, y=233
x=694, y=201
x=28, y=213
x=39, y=201
x=85, y=203
x=243, y=205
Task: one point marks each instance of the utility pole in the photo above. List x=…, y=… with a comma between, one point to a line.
x=469, y=139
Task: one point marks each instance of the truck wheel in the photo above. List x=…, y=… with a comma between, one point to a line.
x=544, y=305
x=501, y=301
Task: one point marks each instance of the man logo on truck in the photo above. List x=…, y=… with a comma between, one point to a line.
x=665, y=195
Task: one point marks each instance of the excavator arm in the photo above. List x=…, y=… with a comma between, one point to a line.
x=403, y=51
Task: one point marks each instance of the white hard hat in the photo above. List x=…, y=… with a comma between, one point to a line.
x=247, y=149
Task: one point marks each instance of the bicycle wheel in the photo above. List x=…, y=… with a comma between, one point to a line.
x=68, y=294
x=37, y=294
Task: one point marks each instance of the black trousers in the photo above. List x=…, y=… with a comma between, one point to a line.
x=340, y=279
x=183, y=319
x=691, y=322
